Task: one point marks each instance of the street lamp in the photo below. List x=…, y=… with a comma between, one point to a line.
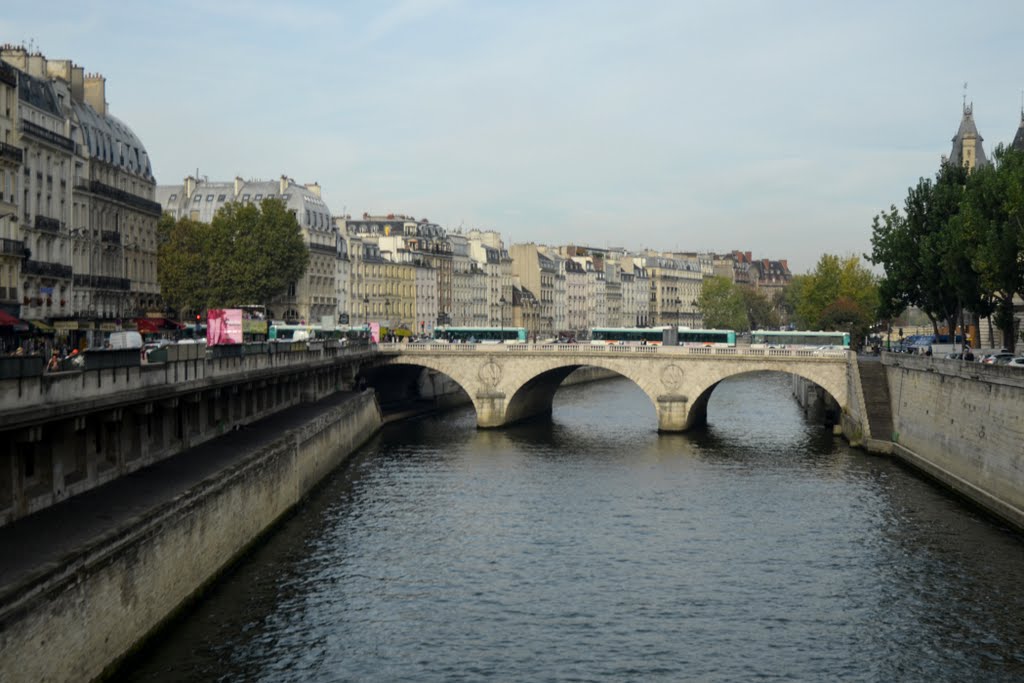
x=366, y=310
x=678, y=303
x=387, y=315
x=693, y=313
x=502, y=302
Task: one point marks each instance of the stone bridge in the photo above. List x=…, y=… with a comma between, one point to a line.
x=512, y=382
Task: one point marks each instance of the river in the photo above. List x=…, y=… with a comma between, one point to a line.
x=588, y=547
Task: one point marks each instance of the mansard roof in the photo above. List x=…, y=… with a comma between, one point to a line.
x=38, y=93
x=108, y=139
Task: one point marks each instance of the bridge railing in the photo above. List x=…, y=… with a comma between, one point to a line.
x=601, y=349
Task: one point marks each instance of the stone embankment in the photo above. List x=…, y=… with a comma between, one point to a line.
x=85, y=582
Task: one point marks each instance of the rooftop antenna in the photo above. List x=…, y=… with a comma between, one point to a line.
x=965, y=96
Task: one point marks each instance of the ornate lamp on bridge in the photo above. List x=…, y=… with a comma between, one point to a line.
x=366, y=309
x=502, y=302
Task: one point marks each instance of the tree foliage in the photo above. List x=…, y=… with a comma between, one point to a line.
x=248, y=254
x=958, y=244
x=840, y=294
x=721, y=305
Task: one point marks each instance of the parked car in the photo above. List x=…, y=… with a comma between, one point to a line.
x=1017, y=362
x=997, y=359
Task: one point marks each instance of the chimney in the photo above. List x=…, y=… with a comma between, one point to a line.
x=190, y=187
x=96, y=93
x=16, y=56
x=785, y=265
x=77, y=83
x=284, y=185
x=314, y=188
x=238, y=186
x=750, y=257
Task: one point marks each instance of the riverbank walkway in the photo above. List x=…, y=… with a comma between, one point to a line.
x=56, y=538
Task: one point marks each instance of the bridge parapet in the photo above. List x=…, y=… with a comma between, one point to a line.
x=26, y=399
x=826, y=355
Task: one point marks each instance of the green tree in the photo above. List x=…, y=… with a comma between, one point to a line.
x=761, y=312
x=246, y=255
x=721, y=305
x=922, y=251
x=840, y=294
x=993, y=238
x=182, y=266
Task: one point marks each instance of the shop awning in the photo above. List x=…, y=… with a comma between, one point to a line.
x=156, y=325
x=40, y=326
x=8, y=320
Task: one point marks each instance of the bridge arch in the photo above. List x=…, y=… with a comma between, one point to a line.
x=701, y=393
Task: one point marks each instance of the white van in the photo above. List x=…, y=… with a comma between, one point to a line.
x=125, y=340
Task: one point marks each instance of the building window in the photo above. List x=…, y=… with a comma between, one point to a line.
x=221, y=197
x=172, y=197
x=209, y=197
x=258, y=197
x=245, y=197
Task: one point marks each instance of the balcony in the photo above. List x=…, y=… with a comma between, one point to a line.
x=47, y=224
x=12, y=247
x=46, y=269
x=47, y=136
x=11, y=153
x=112, y=193
x=323, y=248
x=120, y=284
x=110, y=236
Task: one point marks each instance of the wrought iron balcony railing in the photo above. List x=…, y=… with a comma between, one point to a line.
x=48, y=136
x=46, y=269
x=11, y=153
x=46, y=223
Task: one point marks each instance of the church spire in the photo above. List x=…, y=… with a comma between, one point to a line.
x=1018, y=139
x=967, y=148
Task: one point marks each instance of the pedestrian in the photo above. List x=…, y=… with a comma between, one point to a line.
x=54, y=364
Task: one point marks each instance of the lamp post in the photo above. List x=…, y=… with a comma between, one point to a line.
x=366, y=310
x=387, y=315
x=693, y=313
x=501, y=301
x=678, y=303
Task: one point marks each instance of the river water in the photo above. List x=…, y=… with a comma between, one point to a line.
x=588, y=547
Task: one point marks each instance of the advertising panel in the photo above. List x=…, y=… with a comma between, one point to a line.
x=223, y=326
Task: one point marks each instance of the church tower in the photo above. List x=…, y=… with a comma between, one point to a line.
x=967, y=148
x=1018, y=139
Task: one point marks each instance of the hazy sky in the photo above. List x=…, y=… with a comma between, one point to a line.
x=775, y=127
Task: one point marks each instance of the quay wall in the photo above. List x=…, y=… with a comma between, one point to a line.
x=963, y=424
x=78, y=620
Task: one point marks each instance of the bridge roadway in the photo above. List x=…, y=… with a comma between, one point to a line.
x=511, y=382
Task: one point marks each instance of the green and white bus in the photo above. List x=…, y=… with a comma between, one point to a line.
x=628, y=336
x=784, y=339
x=691, y=337
x=481, y=335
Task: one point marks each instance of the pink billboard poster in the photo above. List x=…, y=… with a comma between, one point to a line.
x=223, y=326
x=375, y=333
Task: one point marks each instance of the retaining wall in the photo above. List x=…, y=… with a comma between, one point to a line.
x=78, y=620
x=963, y=424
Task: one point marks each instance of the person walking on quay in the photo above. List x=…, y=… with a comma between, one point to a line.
x=54, y=363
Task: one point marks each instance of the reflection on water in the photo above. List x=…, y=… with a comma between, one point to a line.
x=589, y=547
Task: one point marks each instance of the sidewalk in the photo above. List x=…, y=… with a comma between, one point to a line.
x=46, y=540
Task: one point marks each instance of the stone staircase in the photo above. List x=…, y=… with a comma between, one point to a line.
x=876, y=398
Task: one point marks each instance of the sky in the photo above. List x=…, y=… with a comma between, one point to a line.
x=776, y=127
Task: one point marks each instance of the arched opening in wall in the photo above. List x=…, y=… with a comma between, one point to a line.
x=410, y=387
x=765, y=398
x=579, y=393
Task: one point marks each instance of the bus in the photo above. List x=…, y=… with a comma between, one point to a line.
x=483, y=335
x=783, y=339
x=691, y=337
x=630, y=336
